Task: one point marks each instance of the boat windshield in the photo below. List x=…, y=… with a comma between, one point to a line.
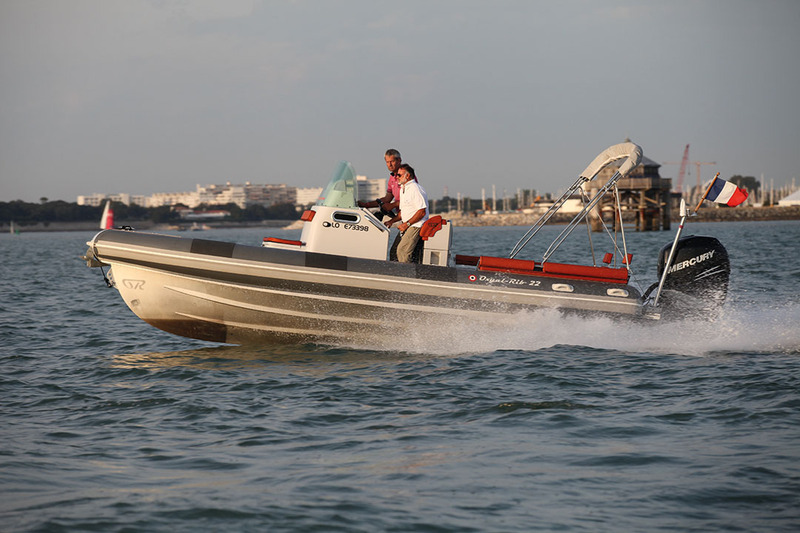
x=341, y=191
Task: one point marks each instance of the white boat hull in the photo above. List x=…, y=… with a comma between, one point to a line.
x=336, y=283
x=237, y=294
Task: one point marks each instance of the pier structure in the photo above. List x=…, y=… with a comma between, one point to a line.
x=645, y=198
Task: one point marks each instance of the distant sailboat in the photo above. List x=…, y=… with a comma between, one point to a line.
x=107, y=220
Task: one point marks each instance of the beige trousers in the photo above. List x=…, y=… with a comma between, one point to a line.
x=407, y=243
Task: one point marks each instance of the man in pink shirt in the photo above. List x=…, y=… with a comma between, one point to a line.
x=391, y=200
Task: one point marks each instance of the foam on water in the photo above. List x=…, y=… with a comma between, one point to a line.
x=737, y=329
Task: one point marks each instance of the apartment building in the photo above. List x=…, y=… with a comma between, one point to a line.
x=97, y=199
x=370, y=189
x=243, y=195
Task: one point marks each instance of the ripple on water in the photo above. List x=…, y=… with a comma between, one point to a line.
x=554, y=424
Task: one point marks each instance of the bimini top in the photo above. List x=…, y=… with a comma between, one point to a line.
x=630, y=150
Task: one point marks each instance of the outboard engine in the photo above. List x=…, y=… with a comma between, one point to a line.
x=697, y=280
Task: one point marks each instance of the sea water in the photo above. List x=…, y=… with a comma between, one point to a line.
x=558, y=424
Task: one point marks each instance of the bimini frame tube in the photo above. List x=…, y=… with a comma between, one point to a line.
x=546, y=217
x=629, y=150
x=580, y=216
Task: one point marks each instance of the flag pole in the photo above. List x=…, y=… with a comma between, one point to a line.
x=684, y=214
x=706, y=193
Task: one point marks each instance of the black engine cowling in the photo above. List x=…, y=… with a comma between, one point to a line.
x=697, y=279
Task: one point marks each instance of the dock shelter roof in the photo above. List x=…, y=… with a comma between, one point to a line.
x=792, y=199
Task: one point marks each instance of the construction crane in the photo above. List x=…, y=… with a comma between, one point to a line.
x=697, y=165
x=682, y=172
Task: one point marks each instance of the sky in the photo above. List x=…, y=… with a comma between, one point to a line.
x=145, y=96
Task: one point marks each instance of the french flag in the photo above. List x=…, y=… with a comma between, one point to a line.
x=725, y=192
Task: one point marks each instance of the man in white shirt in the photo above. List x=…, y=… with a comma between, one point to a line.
x=413, y=212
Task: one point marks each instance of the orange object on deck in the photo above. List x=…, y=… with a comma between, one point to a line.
x=504, y=264
x=588, y=273
x=431, y=226
x=283, y=241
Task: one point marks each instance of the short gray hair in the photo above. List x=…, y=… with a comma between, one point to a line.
x=391, y=152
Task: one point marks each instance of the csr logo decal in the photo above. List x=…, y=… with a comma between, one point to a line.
x=136, y=284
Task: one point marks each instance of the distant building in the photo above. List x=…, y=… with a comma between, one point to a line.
x=643, y=192
x=306, y=196
x=370, y=189
x=192, y=215
x=160, y=199
x=94, y=200
x=792, y=199
x=123, y=198
x=243, y=195
x=246, y=194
